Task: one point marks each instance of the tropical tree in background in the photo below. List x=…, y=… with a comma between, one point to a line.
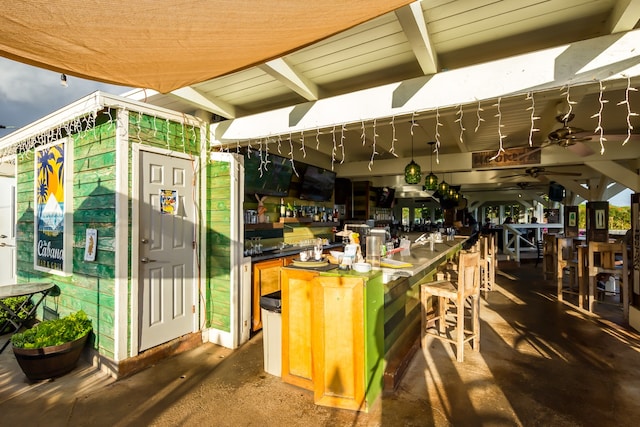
x=619, y=217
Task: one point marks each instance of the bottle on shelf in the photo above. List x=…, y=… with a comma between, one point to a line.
x=283, y=208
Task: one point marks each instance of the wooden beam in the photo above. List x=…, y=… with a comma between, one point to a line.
x=282, y=71
x=617, y=172
x=411, y=18
x=199, y=100
x=625, y=16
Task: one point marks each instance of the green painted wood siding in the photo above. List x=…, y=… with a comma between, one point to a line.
x=218, y=245
x=91, y=285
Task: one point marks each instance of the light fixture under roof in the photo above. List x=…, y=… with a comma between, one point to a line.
x=412, y=172
x=431, y=180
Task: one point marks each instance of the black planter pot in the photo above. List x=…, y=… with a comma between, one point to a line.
x=50, y=362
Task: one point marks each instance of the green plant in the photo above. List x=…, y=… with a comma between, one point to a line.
x=54, y=332
x=14, y=303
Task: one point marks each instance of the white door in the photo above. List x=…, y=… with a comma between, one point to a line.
x=7, y=230
x=166, y=248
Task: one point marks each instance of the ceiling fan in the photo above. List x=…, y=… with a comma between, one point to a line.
x=568, y=137
x=536, y=171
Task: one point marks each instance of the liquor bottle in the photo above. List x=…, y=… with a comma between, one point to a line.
x=283, y=208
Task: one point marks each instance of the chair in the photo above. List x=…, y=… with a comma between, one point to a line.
x=488, y=262
x=456, y=295
x=602, y=261
x=549, y=256
x=539, y=251
x=563, y=253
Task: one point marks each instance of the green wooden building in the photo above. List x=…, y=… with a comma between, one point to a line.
x=124, y=208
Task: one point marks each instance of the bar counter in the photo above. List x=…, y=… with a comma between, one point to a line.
x=349, y=336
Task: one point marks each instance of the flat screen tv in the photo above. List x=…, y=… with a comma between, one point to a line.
x=272, y=180
x=317, y=184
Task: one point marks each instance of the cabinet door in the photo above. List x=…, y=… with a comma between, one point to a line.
x=338, y=342
x=297, y=367
x=266, y=279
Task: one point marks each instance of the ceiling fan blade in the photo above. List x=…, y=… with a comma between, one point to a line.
x=582, y=150
x=551, y=173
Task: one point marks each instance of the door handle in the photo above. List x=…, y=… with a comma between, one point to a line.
x=146, y=260
x=3, y=236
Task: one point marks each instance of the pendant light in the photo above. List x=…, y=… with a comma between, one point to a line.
x=412, y=172
x=431, y=181
x=443, y=187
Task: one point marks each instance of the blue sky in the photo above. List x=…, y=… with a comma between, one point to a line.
x=28, y=93
x=622, y=199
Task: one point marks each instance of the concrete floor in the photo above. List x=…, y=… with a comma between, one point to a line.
x=541, y=363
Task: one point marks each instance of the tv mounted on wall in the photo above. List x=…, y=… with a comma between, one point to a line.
x=317, y=184
x=272, y=180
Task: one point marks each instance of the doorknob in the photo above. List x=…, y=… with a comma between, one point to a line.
x=144, y=240
x=146, y=260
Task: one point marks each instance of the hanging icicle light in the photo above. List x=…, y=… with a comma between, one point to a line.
x=431, y=180
x=412, y=172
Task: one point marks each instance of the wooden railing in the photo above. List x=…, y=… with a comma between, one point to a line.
x=514, y=237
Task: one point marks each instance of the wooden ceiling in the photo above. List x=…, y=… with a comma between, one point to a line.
x=460, y=72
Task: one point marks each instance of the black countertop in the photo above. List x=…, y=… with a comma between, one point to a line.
x=289, y=251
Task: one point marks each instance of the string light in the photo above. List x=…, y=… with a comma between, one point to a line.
x=393, y=136
x=437, y=135
x=629, y=113
x=500, y=126
x=343, y=129
x=302, y=148
x=599, y=129
x=532, y=108
x=373, y=149
x=570, y=103
x=333, y=149
x=460, y=114
x=480, y=119
x=293, y=165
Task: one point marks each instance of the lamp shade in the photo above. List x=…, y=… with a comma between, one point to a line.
x=412, y=173
x=431, y=182
x=443, y=187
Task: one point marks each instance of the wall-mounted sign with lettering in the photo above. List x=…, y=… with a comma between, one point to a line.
x=50, y=197
x=510, y=157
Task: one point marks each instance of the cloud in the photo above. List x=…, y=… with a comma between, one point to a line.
x=29, y=93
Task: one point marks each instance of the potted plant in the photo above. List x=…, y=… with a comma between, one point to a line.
x=52, y=348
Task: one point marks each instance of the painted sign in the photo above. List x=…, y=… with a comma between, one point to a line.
x=169, y=202
x=509, y=157
x=50, y=211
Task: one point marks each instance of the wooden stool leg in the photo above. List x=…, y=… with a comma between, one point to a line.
x=460, y=330
x=442, y=310
x=475, y=328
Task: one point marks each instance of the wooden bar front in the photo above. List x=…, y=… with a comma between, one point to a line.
x=348, y=335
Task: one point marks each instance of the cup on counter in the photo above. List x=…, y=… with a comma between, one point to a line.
x=373, y=251
x=304, y=255
x=317, y=253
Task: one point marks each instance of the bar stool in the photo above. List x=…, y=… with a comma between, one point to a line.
x=549, y=256
x=488, y=262
x=602, y=261
x=450, y=294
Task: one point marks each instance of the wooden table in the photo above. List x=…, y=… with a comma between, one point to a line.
x=30, y=290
